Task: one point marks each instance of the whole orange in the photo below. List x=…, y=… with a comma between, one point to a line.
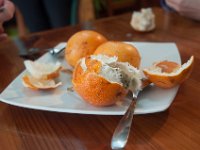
x=125, y=52
x=81, y=44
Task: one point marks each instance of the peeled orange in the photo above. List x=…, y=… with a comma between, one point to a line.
x=82, y=44
x=125, y=52
x=101, y=80
x=167, y=74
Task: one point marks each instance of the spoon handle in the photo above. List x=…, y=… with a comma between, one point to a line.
x=121, y=133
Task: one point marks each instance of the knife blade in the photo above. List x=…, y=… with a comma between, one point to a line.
x=33, y=53
x=58, y=48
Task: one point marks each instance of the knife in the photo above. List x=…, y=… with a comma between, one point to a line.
x=33, y=53
x=58, y=48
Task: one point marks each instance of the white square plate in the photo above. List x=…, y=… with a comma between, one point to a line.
x=60, y=100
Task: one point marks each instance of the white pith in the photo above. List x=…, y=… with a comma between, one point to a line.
x=40, y=70
x=117, y=72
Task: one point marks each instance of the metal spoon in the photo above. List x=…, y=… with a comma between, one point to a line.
x=121, y=133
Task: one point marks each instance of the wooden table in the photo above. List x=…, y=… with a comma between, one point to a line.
x=177, y=128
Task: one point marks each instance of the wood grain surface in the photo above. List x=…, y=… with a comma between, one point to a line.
x=177, y=128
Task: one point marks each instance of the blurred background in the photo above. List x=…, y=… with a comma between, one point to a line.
x=40, y=15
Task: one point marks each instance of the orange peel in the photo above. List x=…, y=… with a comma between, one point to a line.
x=36, y=84
x=41, y=75
x=168, y=74
x=43, y=70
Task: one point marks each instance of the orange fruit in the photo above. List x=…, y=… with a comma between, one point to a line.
x=95, y=86
x=167, y=74
x=82, y=44
x=125, y=52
